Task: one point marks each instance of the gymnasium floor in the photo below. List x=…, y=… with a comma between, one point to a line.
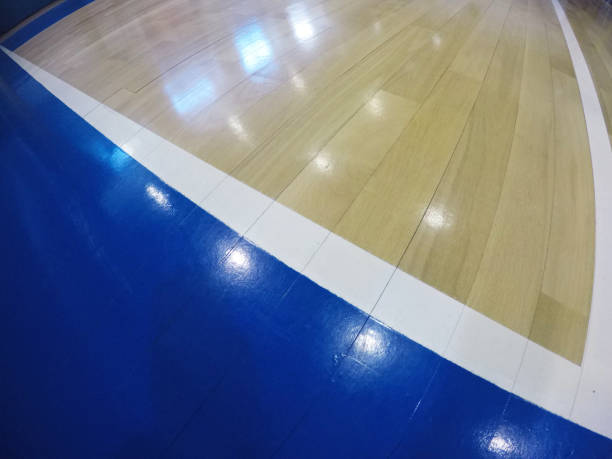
x=307, y=229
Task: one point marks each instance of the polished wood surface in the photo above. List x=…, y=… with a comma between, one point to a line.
x=443, y=136
x=449, y=244
x=591, y=21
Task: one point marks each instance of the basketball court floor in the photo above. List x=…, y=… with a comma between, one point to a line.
x=312, y=228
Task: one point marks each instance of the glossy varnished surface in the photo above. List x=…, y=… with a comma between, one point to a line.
x=445, y=137
x=134, y=324
x=591, y=21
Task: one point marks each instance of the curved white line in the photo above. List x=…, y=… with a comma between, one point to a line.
x=593, y=404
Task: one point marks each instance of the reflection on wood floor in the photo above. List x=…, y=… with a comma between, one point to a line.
x=445, y=136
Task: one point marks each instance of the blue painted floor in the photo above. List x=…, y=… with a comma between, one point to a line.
x=134, y=324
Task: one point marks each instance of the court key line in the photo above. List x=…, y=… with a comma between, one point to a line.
x=420, y=312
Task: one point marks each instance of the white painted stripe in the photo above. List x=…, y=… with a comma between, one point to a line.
x=419, y=311
x=236, y=204
x=287, y=235
x=118, y=128
x=194, y=178
x=350, y=272
x=487, y=348
x=143, y=143
x=546, y=379
x=593, y=403
x=78, y=101
x=401, y=301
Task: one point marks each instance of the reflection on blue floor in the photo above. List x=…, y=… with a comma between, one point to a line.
x=134, y=324
x=45, y=20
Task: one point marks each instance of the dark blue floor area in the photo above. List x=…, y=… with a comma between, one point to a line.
x=134, y=324
x=45, y=20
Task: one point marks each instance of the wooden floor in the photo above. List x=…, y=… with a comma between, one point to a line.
x=443, y=136
x=592, y=24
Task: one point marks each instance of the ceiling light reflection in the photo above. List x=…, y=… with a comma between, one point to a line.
x=298, y=82
x=372, y=343
x=198, y=95
x=501, y=445
x=239, y=259
x=119, y=159
x=303, y=30
x=376, y=106
x=158, y=196
x=237, y=127
x=254, y=48
x=301, y=24
x=436, y=40
x=438, y=217
x=323, y=164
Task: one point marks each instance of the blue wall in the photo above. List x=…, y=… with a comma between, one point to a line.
x=50, y=17
x=13, y=12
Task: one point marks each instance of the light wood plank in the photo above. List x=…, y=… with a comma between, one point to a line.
x=508, y=282
x=562, y=311
x=448, y=246
x=192, y=85
x=421, y=73
x=252, y=124
x=325, y=189
x=385, y=215
x=272, y=167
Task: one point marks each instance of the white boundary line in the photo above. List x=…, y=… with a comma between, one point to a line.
x=401, y=301
x=593, y=404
